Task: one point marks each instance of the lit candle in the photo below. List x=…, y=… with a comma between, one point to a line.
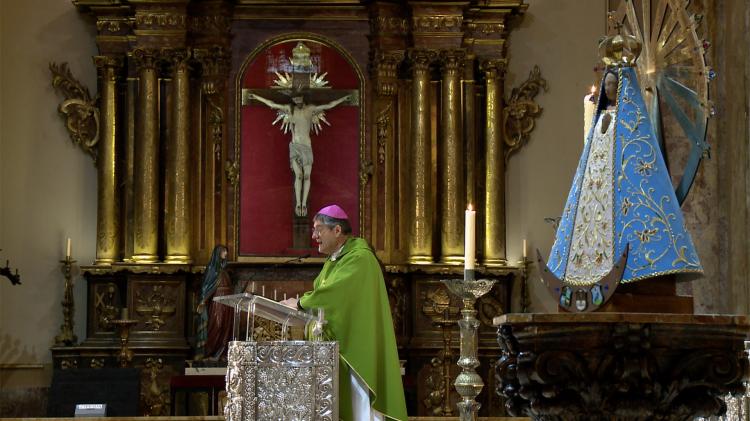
x=470, y=239
x=589, y=108
x=263, y=290
x=252, y=287
x=67, y=250
x=285, y=296
x=524, y=249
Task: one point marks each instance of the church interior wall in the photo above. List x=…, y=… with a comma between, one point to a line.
x=561, y=39
x=48, y=186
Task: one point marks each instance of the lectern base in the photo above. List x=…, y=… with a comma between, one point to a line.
x=282, y=380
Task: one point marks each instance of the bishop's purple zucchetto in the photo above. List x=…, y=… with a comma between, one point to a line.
x=334, y=211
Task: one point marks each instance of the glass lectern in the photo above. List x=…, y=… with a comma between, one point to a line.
x=279, y=380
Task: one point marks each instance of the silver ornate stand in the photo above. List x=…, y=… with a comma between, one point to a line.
x=468, y=383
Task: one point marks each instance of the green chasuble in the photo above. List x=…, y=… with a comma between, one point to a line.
x=351, y=291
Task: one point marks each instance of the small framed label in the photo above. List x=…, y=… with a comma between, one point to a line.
x=91, y=410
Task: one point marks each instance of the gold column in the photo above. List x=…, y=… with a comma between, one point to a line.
x=385, y=218
x=214, y=62
x=146, y=171
x=108, y=197
x=420, y=228
x=452, y=182
x=494, y=198
x=470, y=138
x=177, y=201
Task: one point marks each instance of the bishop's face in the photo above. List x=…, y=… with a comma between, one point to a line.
x=326, y=236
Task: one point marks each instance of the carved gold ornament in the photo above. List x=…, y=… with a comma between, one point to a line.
x=521, y=111
x=78, y=109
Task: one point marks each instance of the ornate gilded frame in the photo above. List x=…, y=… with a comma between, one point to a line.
x=295, y=36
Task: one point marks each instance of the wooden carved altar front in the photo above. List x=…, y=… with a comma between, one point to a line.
x=429, y=132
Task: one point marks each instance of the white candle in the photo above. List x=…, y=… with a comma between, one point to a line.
x=524, y=249
x=285, y=296
x=470, y=239
x=589, y=108
x=252, y=287
x=67, y=249
x=274, y=294
x=263, y=290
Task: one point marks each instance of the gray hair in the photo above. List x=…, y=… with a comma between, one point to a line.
x=330, y=221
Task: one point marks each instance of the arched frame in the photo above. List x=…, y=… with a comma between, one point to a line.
x=238, y=134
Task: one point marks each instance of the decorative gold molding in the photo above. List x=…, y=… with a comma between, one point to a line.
x=232, y=168
x=146, y=58
x=436, y=304
x=142, y=268
x=211, y=24
x=156, y=308
x=114, y=25
x=521, y=111
x=105, y=307
x=68, y=363
x=434, y=383
x=385, y=64
x=155, y=398
x=452, y=60
x=485, y=28
x=78, y=109
x=161, y=20
x=437, y=24
x=214, y=61
x=390, y=25
x=384, y=126
x=365, y=173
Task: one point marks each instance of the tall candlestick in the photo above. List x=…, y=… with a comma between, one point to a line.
x=589, y=108
x=67, y=249
x=470, y=239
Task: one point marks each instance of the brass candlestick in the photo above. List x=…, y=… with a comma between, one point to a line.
x=66, y=336
x=126, y=354
x=468, y=383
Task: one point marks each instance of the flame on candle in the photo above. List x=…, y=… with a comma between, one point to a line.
x=593, y=89
x=470, y=207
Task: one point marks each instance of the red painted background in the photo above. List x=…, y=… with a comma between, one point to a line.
x=266, y=180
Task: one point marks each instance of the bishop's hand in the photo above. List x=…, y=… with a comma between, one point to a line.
x=290, y=302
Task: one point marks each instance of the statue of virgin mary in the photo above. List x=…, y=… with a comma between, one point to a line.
x=622, y=202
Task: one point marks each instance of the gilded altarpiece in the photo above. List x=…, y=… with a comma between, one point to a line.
x=186, y=162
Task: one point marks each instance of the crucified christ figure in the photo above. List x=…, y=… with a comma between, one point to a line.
x=300, y=118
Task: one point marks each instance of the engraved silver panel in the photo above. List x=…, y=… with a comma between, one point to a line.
x=282, y=380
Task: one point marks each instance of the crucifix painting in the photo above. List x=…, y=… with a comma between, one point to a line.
x=301, y=96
